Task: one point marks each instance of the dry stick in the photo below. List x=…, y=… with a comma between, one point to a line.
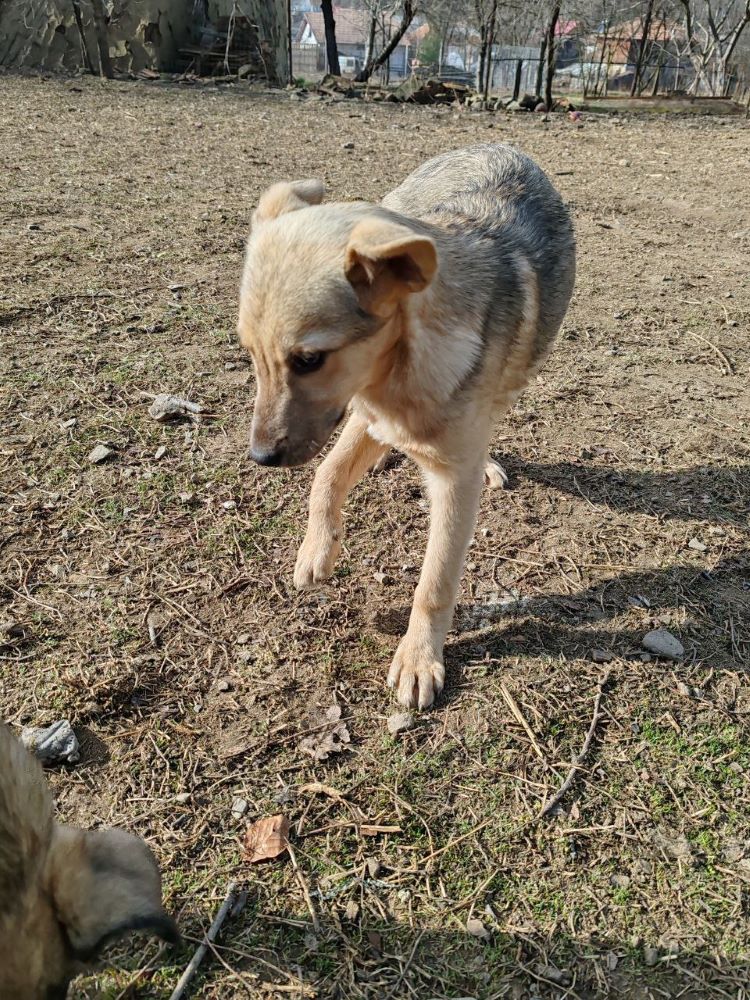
x=202, y=949
x=567, y=784
x=305, y=890
x=513, y=706
x=717, y=350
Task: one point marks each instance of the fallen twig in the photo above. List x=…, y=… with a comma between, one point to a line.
x=576, y=766
x=513, y=706
x=717, y=351
x=202, y=949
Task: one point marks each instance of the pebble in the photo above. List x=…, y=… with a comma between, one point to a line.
x=623, y=163
x=239, y=808
x=160, y=452
x=383, y=579
x=650, y=956
x=601, y=655
x=697, y=545
x=182, y=798
x=373, y=867
x=100, y=454
x=166, y=407
x=55, y=744
x=400, y=722
x=477, y=929
x=660, y=642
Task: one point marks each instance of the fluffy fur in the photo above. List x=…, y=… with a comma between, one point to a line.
x=425, y=316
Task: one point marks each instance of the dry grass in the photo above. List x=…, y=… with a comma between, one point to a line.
x=155, y=595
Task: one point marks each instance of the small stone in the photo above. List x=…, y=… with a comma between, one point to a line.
x=620, y=881
x=639, y=601
x=650, y=956
x=347, y=145
x=233, y=366
x=244, y=639
x=612, y=961
x=223, y=684
x=34, y=227
x=560, y=977
x=601, y=655
x=100, y=454
x=55, y=744
x=239, y=808
x=400, y=722
x=383, y=579
x=660, y=642
x=229, y=505
x=373, y=867
x=697, y=545
x=623, y=163
x=160, y=452
x=477, y=929
x=67, y=424
x=182, y=798
x=166, y=407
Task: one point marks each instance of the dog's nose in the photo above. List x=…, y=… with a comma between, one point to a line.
x=267, y=457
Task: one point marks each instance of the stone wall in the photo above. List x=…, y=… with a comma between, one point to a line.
x=143, y=34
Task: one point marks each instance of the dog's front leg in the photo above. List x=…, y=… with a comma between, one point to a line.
x=353, y=454
x=417, y=671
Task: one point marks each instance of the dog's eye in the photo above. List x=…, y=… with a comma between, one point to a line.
x=303, y=364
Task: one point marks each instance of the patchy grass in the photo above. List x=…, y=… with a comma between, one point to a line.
x=632, y=443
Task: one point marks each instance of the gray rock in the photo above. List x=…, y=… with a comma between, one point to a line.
x=650, y=956
x=166, y=407
x=400, y=722
x=601, y=655
x=100, y=454
x=373, y=867
x=660, y=642
x=239, y=808
x=55, y=744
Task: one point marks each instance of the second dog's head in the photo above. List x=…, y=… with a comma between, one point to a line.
x=319, y=309
x=64, y=893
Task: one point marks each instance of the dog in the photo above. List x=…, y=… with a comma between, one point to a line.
x=424, y=316
x=64, y=892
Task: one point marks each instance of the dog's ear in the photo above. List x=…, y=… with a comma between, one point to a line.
x=287, y=197
x=386, y=261
x=105, y=883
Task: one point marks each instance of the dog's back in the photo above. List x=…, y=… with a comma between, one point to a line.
x=500, y=203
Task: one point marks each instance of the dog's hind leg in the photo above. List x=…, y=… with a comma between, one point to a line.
x=495, y=475
x=353, y=454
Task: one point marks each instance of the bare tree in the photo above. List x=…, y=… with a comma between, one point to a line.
x=714, y=29
x=332, y=50
x=551, y=53
x=399, y=29
x=85, y=54
x=102, y=41
x=643, y=47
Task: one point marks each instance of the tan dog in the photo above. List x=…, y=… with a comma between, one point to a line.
x=63, y=892
x=427, y=315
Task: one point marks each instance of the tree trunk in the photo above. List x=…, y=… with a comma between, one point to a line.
x=102, y=41
x=551, y=53
x=540, y=68
x=332, y=51
x=642, y=48
x=372, y=64
x=371, y=38
x=487, y=83
x=517, y=80
x=85, y=54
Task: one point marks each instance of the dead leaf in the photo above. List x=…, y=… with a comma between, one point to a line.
x=327, y=740
x=268, y=838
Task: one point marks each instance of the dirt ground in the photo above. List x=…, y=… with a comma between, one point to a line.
x=149, y=599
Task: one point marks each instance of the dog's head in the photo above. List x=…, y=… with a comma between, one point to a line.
x=319, y=311
x=64, y=893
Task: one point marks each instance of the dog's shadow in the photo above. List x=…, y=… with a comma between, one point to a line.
x=574, y=625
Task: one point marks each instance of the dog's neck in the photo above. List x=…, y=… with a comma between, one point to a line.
x=429, y=358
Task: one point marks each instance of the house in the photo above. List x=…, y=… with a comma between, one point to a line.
x=352, y=36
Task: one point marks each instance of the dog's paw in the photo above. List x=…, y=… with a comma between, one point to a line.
x=315, y=561
x=495, y=475
x=417, y=673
